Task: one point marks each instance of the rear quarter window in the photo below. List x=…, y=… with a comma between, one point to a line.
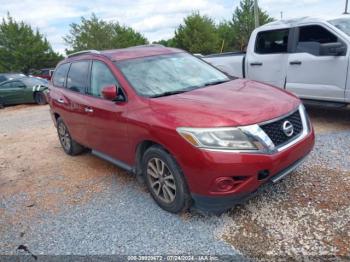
x=60, y=75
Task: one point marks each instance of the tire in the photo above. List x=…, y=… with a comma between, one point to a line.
x=40, y=98
x=69, y=146
x=165, y=180
x=1, y=104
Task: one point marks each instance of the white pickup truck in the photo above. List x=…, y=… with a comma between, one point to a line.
x=307, y=56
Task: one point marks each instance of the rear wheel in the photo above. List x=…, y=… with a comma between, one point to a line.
x=165, y=180
x=70, y=146
x=40, y=98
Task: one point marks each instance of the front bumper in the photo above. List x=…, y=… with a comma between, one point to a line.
x=218, y=204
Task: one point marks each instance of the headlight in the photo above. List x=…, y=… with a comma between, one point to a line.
x=217, y=138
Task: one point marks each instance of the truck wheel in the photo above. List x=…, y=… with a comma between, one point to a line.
x=165, y=180
x=39, y=98
x=69, y=145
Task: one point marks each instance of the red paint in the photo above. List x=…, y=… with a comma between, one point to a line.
x=116, y=129
x=109, y=92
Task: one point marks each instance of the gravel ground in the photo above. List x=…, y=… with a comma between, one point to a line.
x=56, y=204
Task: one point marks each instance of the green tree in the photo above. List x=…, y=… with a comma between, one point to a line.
x=198, y=34
x=95, y=33
x=243, y=23
x=169, y=43
x=226, y=36
x=22, y=48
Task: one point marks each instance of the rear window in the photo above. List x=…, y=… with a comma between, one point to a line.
x=272, y=42
x=77, y=76
x=60, y=75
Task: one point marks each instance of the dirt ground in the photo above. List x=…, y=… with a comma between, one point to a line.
x=307, y=213
x=33, y=165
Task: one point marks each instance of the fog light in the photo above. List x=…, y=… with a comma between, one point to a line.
x=224, y=184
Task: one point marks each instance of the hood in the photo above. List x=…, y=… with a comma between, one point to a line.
x=234, y=103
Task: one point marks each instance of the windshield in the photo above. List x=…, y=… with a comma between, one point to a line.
x=169, y=74
x=342, y=23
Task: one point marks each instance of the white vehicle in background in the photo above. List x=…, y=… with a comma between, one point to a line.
x=307, y=56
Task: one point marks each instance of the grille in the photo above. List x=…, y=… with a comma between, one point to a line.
x=275, y=130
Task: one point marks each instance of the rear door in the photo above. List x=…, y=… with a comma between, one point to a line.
x=266, y=59
x=311, y=74
x=69, y=99
x=106, y=123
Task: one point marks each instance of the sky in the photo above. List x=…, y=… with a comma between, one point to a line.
x=155, y=19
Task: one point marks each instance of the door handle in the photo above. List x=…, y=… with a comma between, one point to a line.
x=60, y=100
x=88, y=110
x=256, y=64
x=295, y=62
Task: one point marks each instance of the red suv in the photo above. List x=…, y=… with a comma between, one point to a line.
x=193, y=134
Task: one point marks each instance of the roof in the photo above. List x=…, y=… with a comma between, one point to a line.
x=139, y=51
x=292, y=22
x=128, y=53
x=301, y=20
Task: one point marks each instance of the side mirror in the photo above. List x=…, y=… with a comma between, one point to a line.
x=113, y=93
x=333, y=49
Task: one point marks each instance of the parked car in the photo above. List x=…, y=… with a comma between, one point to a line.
x=9, y=76
x=45, y=73
x=191, y=132
x=306, y=56
x=23, y=90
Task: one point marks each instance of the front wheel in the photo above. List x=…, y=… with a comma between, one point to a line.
x=39, y=98
x=165, y=180
x=70, y=146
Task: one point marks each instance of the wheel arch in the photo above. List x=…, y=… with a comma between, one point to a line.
x=141, y=149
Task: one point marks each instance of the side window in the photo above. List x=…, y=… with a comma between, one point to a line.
x=59, y=77
x=77, y=76
x=272, y=42
x=6, y=85
x=18, y=84
x=311, y=38
x=101, y=76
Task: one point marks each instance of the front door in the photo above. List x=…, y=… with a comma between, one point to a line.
x=107, y=125
x=13, y=92
x=313, y=75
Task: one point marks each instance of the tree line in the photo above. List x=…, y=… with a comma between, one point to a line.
x=23, y=48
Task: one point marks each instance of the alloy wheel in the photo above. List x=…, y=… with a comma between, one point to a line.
x=161, y=179
x=64, y=137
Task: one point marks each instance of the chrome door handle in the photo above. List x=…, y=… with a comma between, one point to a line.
x=60, y=100
x=88, y=110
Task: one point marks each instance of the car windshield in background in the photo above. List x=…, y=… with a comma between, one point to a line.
x=32, y=81
x=163, y=75
x=342, y=23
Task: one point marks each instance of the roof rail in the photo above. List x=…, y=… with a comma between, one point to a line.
x=84, y=52
x=148, y=45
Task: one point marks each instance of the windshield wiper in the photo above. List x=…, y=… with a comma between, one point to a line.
x=216, y=82
x=169, y=93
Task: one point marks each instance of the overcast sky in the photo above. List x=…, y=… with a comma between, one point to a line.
x=155, y=19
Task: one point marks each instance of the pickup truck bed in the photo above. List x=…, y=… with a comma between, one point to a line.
x=231, y=63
